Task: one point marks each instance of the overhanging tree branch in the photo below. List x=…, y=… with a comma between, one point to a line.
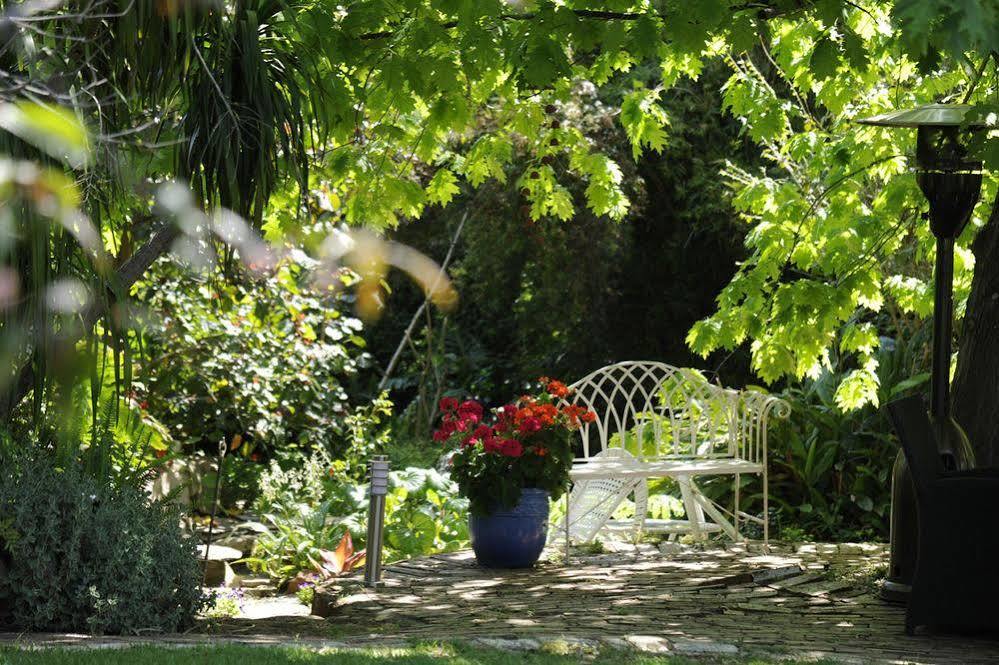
x=765, y=11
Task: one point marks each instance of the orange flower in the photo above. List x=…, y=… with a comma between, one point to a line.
x=546, y=413
x=557, y=389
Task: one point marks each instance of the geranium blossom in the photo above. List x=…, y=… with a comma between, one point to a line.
x=528, y=443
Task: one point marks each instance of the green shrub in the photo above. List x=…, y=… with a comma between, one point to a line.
x=308, y=507
x=270, y=359
x=830, y=469
x=85, y=555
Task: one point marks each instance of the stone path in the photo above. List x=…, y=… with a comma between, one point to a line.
x=818, y=601
x=799, y=602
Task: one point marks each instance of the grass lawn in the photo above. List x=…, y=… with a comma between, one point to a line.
x=445, y=654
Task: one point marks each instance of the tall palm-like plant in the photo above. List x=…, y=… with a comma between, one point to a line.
x=221, y=95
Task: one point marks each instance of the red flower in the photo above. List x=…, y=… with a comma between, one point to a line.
x=588, y=417
x=529, y=425
x=541, y=451
x=492, y=444
x=557, y=389
x=481, y=433
x=546, y=413
x=507, y=415
x=470, y=410
x=446, y=430
x=448, y=404
x=511, y=448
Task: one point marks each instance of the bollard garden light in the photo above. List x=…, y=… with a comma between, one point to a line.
x=378, y=488
x=951, y=180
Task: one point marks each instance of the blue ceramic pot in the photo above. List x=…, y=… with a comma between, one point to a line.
x=514, y=537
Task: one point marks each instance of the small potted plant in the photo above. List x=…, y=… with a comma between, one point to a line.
x=509, y=465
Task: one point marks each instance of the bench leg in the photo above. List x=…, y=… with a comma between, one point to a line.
x=738, y=486
x=705, y=506
x=566, y=522
x=695, y=514
x=766, y=509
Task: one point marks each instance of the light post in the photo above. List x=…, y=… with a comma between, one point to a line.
x=378, y=476
x=951, y=181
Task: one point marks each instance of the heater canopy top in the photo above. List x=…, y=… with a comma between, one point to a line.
x=927, y=115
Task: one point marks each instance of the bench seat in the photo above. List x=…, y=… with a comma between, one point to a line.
x=600, y=467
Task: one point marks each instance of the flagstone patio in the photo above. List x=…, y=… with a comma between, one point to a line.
x=805, y=601
x=812, y=600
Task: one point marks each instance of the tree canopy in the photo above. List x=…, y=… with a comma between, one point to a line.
x=388, y=106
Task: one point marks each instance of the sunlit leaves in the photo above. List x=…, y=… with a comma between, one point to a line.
x=859, y=387
x=644, y=120
x=836, y=241
x=603, y=192
x=861, y=338
x=442, y=187
x=485, y=159
x=459, y=82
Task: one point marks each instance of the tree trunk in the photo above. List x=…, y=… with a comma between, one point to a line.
x=976, y=381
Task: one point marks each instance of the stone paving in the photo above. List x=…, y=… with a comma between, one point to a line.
x=810, y=601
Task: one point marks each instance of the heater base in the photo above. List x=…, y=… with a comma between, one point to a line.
x=895, y=592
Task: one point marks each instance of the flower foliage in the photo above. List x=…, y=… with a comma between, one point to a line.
x=526, y=444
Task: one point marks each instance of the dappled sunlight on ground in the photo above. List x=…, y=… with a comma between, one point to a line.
x=807, y=601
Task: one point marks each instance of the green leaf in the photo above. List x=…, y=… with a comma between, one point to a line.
x=824, y=60
x=443, y=187
x=861, y=338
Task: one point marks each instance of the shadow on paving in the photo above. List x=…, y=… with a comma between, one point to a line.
x=688, y=600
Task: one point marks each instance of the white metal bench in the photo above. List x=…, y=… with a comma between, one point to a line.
x=653, y=421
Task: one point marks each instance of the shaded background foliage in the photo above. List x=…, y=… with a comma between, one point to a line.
x=548, y=297
x=271, y=359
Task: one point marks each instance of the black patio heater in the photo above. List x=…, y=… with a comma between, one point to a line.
x=951, y=181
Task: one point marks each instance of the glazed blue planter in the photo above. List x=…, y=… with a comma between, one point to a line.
x=514, y=537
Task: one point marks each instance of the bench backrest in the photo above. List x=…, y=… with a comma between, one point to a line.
x=657, y=411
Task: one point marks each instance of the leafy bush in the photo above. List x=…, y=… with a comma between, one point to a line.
x=308, y=507
x=270, y=359
x=85, y=555
x=831, y=469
